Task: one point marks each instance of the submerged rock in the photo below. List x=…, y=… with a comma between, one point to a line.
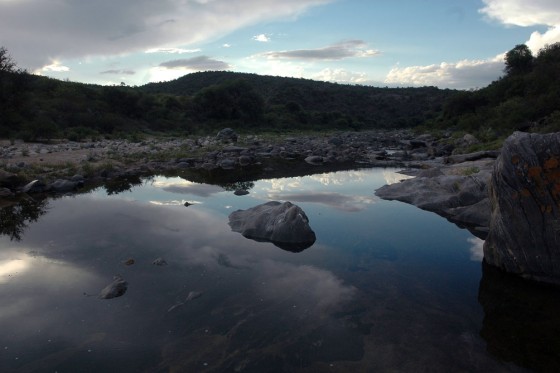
x=524, y=235
x=283, y=224
x=115, y=289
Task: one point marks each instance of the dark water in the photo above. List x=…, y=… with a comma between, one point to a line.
x=386, y=286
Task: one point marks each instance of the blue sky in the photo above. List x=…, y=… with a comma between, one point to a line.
x=445, y=43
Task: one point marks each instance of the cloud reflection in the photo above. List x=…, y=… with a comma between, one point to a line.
x=181, y=186
x=348, y=203
x=476, y=249
x=312, y=288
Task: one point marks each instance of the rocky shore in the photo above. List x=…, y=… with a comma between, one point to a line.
x=65, y=167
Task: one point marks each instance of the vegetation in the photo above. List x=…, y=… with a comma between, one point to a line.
x=33, y=107
x=526, y=98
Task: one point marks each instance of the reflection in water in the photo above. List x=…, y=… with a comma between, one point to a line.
x=14, y=218
x=521, y=322
x=386, y=287
x=476, y=249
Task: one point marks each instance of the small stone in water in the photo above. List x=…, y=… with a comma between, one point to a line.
x=159, y=262
x=128, y=262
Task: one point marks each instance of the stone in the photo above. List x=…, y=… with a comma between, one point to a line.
x=115, y=289
x=524, y=235
x=241, y=192
x=227, y=164
x=314, y=160
x=283, y=224
x=5, y=192
x=227, y=135
x=64, y=186
x=455, y=192
x=8, y=179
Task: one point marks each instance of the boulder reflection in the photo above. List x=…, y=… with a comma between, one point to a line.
x=521, y=323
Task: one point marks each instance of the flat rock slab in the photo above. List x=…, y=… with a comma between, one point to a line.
x=457, y=192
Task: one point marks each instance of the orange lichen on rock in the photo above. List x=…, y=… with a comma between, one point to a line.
x=551, y=163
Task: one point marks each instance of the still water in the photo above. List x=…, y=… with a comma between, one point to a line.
x=386, y=286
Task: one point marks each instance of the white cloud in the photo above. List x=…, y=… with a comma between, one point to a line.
x=522, y=12
x=36, y=31
x=341, y=76
x=172, y=50
x=528, y=13
x=464, y=74
x=262, y=38
x=226, y=45
x=54, y=66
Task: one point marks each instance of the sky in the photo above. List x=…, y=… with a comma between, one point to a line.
x=398, y=43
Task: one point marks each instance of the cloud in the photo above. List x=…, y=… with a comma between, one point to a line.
x=262, y=38
x=172, y=50
x=55, y=66
x=528, y=13
x=118, y=72
x=464, y=74
x=36, y=31
x=339, y=51
x=341, y=76
x=199, y=63
x=523, y=13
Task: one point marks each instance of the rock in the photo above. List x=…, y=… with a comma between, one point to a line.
x=8, y=179
x=5, y=192
x=524, y=236
x=314, y=160
x=245, y=160
x=227, y=135
x=35, y=186
x=227, y=164
x=115, y=289
x=64, y=186
x=283, y=224
x=455, y=192
x=159, y=262
x=241, y=192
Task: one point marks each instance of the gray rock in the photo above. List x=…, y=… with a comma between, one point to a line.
x=524, y=235
x=245, y=160
x=159, y=262
x=283, y=224
x=314, y=160
x=5, y=192
x=35, y=186
x=454, y=192
x=227, y=135
x=241, y=192
x=8, y=179
x=227, y=164
x=115, y=289
x=64, y=186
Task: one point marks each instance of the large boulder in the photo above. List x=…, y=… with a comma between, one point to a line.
x=524, y=235
x=283, y=224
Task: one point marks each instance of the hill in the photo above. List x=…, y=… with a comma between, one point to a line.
x=33, y=107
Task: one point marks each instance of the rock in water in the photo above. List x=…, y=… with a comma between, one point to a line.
x=524, y=236
x=283, y=224
x=114, y=289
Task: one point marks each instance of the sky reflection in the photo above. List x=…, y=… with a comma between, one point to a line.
x=380, y=273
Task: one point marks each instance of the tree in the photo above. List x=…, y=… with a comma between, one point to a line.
x=519, y=60
x=7, y=64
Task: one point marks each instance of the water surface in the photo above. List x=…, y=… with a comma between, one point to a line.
x=386, y=286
